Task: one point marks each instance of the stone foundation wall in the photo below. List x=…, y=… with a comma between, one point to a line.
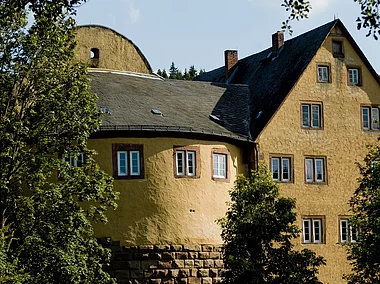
x=166, y=264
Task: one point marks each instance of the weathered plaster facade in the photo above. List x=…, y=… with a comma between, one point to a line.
x=341, y=140
x=163, y=209
x=110, y=50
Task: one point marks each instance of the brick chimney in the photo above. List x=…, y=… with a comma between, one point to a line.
x=230, y=61
x=277, y=41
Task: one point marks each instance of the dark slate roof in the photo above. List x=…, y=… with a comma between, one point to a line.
x=185, y=106
x=270, y=77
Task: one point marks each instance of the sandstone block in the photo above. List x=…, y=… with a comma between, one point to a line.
x=173, y=273
x=213, y=272
x=191, y=247
x=198, y=263
x=208, y=263
x=176, y=247
x=134, y=264
x=178, y=263
x=160, y=273
x=193, y=254
x=162, y=247
x=167, y=255
x=149, y=264
x=194, y=280
x=215, y=255
x=207, y=248
x=203, y=272
x=207, y=280
x=193, y=272
x=181, y=255
x=180, y=281
x=219, y=263
x=184, y=273
x=164, y=264
x=145, y=248
x=155, y=256
x=189, y=263
x=203, y=255
x=217, y=280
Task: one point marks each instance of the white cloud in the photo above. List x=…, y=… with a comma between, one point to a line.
x=134, y=13
x=319, y=5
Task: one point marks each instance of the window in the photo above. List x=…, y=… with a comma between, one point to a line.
x=220, y=164
x=347, y=232
x=312, y=230
x=323, y=74
x=315, y=170
x=337, y=47
x=74, y=161
x=370, y=118
x=354, y=76
x=311, y=115
x=94, y=53
x=281, y=168
x=186, y=161
x=127, y=161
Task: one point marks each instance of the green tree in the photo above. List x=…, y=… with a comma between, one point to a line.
x=369, y=14
x=365, y=204
x=164, y=74
x=192, y=72
x=46, y=110
x=159, y=72
x=173, y=71
x=186, y=75
x=258, y=230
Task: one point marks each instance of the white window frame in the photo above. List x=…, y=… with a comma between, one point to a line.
x=132, y=171
x=188, y=156
x=220, y=160
x=180, y=168
x=73, y=161
x=281, y=160
x=191, y=154
x=370, y=118
x=351, y=234
x=311, y=115
x=354, y=76
x=311, y=169
x=323, y=73
x=119, y=172
x=314, y=228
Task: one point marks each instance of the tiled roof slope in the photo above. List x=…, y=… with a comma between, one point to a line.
x=186, y=106
x=270, y=77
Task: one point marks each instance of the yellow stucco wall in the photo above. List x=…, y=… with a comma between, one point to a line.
x=157, y=209
x=115, y=51
x=341, y=140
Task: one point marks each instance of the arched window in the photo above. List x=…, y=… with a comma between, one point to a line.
x=94, y=53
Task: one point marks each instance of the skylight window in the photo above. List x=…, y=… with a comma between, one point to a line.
x=156, y=112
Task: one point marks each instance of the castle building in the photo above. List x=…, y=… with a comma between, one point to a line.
x=307, y=107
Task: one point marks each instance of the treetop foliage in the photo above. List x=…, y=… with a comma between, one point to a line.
x=47, y=208
x=175, y=73
x=365, y=203
x=369, y=15
x=258, y=230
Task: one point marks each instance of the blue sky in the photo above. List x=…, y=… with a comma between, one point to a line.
x=197, y=32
